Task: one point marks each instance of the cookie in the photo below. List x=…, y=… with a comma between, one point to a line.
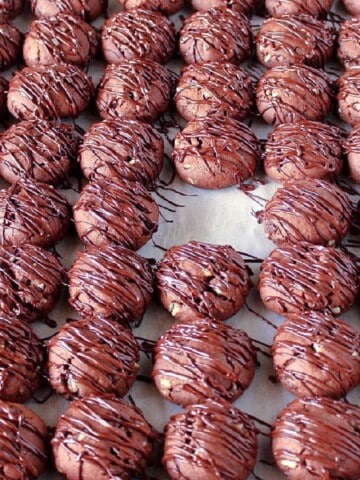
x=348, y=51
x=352, y=147
x=316, y=8
x=10, y=44
x=86, y=9
x=348, y=96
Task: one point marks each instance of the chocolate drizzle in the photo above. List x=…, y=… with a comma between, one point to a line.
x=316, y=8
x=138, y=34
x=238, y=6
x=167, y=7
x=87, y=9
x=10, y=44
x=113, y=283
x=348, y=95
x=349, y=42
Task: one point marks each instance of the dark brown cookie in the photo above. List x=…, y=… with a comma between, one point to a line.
x=318, y=438
x=216, y=152
x=34, y=213
x=92, y=357
x=216, y=35
x=21, y=361
x=316, y=8
x=114, y=211
x=4, y=87
x=348, y=96
x=214, y=88
x=167, y=7
x=138, y=34
x=313, y=211
x=198, y=280
x=203, y=359
x=63, y=38
x=349, y=42
x=102, y=437
x=315, y=355
x=305, y=278
x=11, y=8
x=285, y=94
x=352, y=6
x=211, y=440
x=10, y=44
x=134, y=89
x=30, y=282
x=38, y=149
x=112, y=282
x=23, y=442
x=48, y=92
x=86, y=9
x=304, y=149
x=294, y=39
x=125, y=149
x=352, y=147
x=239, y=6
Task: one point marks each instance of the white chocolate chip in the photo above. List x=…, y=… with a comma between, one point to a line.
x=174, y=309
x=336, y=310
x=165, y=383
x=289, y=464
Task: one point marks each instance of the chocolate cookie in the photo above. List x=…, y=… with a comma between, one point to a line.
x=138, y=34
x=214, y=88
x=287, y=93
x=294, y=39
x=315, y=355
x=216, y=35
x=352, y=6
x=318, y=438
x=4, y=87
x=11, y=8
x=349, y=42
x=112, y=282
x=10, y=44
x=21, y=361
x=115, y=211
x=49, y=91
x=30, y=282
x=216, y=152
x=86, y=9
x=352, y=147
x=316, y=8
x=210, y=440
x=348, y=96
x=23, y=441
x=203, y=359
x=62, y=38
x=92, y=357
x=305, y=278
x=34, y=213
x=38, y=149
x=125, y=149
x=198, y=280
x=102, y=437
x=304, y=149
x=313, y=211
x=134, y=89
x=239, y=6
x=167, y=7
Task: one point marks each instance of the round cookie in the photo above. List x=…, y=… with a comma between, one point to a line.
x=348, y=96
x=315, y=355
x=203, y=359
x=304, y=149
x=10, y=44
x=23, y=440
x=125, y=149
x=60, y=39
x=11, y=8
x=21, y=361
x=210, y=440
x=129, y=35
x=102, y=437
x=216, y=35
x=214, y=88
x=112, y=283
x=92, y=357
x=287, y=93
x=134, y=89
x=86, y=9
x=239, y=6
x=49, y=91
x=316, y=8
x=317, y=438
x=30, y=282
x=115, y=211
x=198, y=279
x=349, y=42
x=167, y=7
x=39, y=149
x=215, y=152
x=352, y=6
x=307, y=278
x=4, y=87
x=294, y=39
x=313, y=211
x=352, y=147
